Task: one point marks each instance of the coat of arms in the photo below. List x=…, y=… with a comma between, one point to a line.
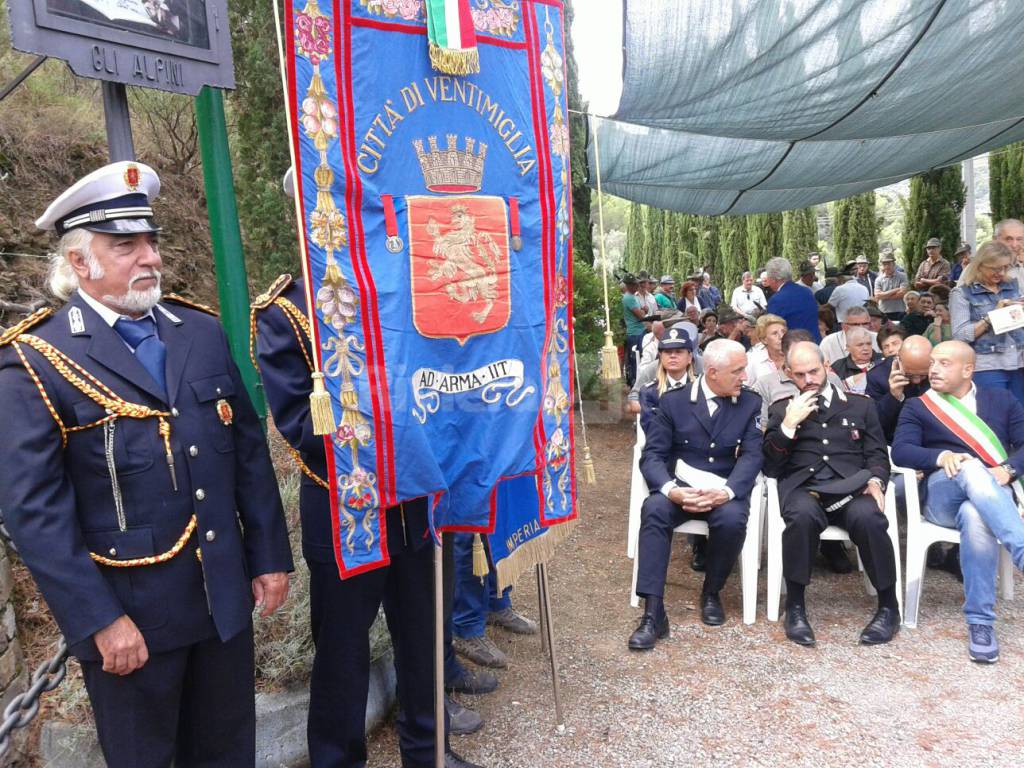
x=458, y=248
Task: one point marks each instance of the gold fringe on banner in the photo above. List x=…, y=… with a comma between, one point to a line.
x=320, y=406
x=455, y=62
x=526, y=556
x=480, y=566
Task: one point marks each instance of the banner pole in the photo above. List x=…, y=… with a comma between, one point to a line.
x=540, y=612
x=542, y=580
x=438, y=657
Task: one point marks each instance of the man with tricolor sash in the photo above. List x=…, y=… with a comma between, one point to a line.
x=971, y=441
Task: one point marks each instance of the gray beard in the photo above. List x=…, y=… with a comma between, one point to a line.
x=135, y=302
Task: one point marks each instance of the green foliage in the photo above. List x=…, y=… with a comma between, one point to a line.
x=889, y=210
x=732, y=243
x=855, y=228
x=636, y=238
x=932, y=210
x=764, y=238
x=260, y=145
x=1006, y=182
x=799, y=234
x=616, y=209
x=588, y=305
x=655, y=240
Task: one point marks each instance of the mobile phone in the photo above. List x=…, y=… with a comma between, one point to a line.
x=896, y=364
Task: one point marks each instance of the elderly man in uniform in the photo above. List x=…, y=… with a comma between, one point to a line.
x=702, y=455
x=827, y=449
x=137, y=485
x=342, y=610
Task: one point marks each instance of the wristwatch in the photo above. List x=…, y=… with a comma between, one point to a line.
x=1005, y=466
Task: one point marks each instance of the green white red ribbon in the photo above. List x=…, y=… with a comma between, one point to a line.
x=452, y=37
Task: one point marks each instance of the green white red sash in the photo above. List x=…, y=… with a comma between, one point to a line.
x=969, y=429
x=452, y=37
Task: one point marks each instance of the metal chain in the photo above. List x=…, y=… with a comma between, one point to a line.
x=23, y=707
x=48, y=675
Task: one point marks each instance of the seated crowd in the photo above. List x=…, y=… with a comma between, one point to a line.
x=816, y=381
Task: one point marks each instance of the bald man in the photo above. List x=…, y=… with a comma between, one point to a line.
x=896, y=379
x=970, y=442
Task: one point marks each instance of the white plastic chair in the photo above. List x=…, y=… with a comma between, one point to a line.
x=775, y=525
x=750, y=555
x=921, y=534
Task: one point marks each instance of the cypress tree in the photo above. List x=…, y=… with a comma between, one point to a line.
x=655, y=241
x=799, y=234
x=732, y=244
x=855, y=228
x=932, y=210
x=266, y=214
x=1006, y=182
x=636, y=238
x=764, y=238
x=588, y=300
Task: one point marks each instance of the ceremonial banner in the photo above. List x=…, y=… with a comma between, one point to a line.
x=436, y=224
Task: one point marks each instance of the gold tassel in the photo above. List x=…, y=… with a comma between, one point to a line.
x=453, y=62
x=589, y=475
x=610, y=370
x=320, y=407
x=480, y=566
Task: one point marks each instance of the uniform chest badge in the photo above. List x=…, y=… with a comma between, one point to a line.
x=76, y=320
x=225, y=412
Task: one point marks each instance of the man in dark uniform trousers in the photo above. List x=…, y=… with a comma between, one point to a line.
x=137, y=485
x=342, y=610
x=827, y=449
x=700, y=461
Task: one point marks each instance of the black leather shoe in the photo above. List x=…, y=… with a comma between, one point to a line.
x=648, y=633
x=700, y=554
x=882, y=628
x=711, y=611
x=835, y=556
x=472, y=681
x=452, y=760
x=798, y=628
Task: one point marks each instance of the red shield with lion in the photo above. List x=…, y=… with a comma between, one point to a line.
x=459, y=253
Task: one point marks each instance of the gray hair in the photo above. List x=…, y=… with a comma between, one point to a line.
x=746, y=274
x=856, y=334
x=796, y=347
x=997, y=231
x=718, y=352
x=856, y=312
x=779, y=268
x=61, y=279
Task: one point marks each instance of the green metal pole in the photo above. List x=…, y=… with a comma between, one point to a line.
x=228, y=259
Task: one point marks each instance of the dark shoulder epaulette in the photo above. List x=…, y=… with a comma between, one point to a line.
x=174, y=298
x=19, y=328
x=276, y=288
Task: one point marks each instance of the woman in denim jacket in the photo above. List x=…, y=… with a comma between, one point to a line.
x=985, y=286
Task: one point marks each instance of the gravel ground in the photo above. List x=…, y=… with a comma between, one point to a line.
x=735, y=695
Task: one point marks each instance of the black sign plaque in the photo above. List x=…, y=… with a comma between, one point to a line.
x=173, y=45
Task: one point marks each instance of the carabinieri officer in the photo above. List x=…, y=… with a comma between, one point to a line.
x=137, y=486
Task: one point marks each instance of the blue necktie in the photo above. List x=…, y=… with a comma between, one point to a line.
x=149, y=350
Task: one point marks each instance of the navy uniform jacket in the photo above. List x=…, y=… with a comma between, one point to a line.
x=845, y=437
x=920, y=437
x=287, y=383
x=58, y=503
x=888, y=406
x=728, y=445
x=649, y=398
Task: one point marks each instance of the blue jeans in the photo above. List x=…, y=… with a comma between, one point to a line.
x=985, y=513
x=1000, y=379
x=474, y=598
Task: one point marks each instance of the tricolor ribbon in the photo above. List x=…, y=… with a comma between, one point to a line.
x=970, y=429
x=452, y=37
x=392, y=242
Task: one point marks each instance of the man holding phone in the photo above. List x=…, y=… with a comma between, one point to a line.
x=896, y=379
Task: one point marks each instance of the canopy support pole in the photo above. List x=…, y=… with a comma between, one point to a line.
x=542, y=586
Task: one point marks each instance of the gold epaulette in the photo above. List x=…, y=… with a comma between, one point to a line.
x=174, y=298
x=276, y=288
x=16, y=330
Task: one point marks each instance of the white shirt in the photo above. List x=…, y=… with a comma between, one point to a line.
x=748, y=302
x=833, y=346
x=759, y=362
x=111, y=316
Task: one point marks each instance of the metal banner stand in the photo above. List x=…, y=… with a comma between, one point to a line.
x=438, y=657
x=549, y=634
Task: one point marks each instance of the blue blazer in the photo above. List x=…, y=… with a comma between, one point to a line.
x=888, y=406
x=920, y=437
x=796, y=305
x=58, y=501
x=681, y=428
